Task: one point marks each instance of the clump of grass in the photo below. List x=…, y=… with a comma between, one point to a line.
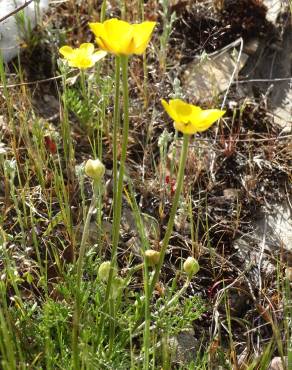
x=106, y=316
x=73, y=294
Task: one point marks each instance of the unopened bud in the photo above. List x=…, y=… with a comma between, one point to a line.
x=191, y=266
x=152, y=257
x=117, y=287
x=104, y=270
x=95, y=169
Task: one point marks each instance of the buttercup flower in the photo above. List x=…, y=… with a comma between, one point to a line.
x=122, y=38
x=82, y=57
x=189, y=118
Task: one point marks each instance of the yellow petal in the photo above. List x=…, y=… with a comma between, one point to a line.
x=98, y=55
x=97, y=28
x=141, y=36
x=81, y=61
x=99, y=31
x=81, y=65
x=169, y=110
x=206, y=118
x=87, y=47
x=66, y=51
x=101, y=44
x=185, y=127
x=183, y=111
x=122, y=38
x=118, y=35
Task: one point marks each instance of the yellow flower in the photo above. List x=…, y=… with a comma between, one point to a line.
x=122, y=38
x=82, y=57
x=189, y=118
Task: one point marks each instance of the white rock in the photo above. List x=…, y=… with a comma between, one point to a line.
x=11, y=32
x=283, y=113
x=277, y=364
x=274, y=7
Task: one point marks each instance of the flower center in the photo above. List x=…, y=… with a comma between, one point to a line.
x=186, y=124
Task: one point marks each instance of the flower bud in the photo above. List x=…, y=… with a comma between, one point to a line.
x=117, y=287
x=104, y=270
x=95, y=169
x=152, y=257
x=191, y=266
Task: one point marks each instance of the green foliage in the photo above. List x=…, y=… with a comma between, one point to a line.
x=83, y=109
x=179, y=316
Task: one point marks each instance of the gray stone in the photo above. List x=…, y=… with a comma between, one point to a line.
x=183, y=347
x=11, y=30
x=268, y=74
x=211, y=75
x=271, y=235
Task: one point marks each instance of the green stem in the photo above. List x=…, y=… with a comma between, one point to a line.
x=102, y=11
x=179, y=184
x=144, y=246
x=76, y=317
x=83, y=84
x=118, y=189
x=65, y=130
x=145, y=79
x=123, y=11
x=169, y=304
x=116, y=129
x=115, y=145
x=146, y=339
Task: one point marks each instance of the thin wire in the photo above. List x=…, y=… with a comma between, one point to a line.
x=16, y=10
x=262, y=80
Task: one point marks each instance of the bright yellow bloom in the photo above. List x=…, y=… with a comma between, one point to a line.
x=122, y=38
x=189, y=118
x=82, y=57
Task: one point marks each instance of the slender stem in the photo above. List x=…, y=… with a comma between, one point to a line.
x=102, y=11
x=115, y=141
x=99, y=65
x=65, y=129
x=83, y=84
x=119, y=193
x=116, y=129
x=124, y=9
x=146, y=339
x=145, y=78
x=180, y=176
x=144, y=246
x=169, y=304
x=179, y=183
x=76, y=317
x=141, y=8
